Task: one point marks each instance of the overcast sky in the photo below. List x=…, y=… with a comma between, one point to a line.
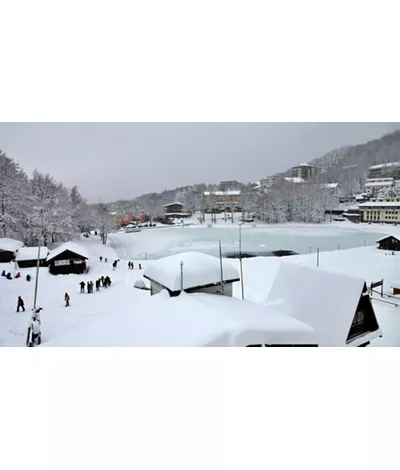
x=113, y=161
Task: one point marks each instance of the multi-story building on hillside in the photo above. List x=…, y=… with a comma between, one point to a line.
x=384, y=170
x=229, y=185
x=304, y=171
x=374, y=185
x=223, y=200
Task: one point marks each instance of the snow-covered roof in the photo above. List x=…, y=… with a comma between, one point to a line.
x=386, y=237
x=325, y=300
x=199, y=269
x=303, y=164
x=294, y=179
x=31, y=253
x=373, y=180
x=330, y=185
x=70, y=247
x=191, y=320
x=378, y=184
x=8, y=244
x=384, y=165
x=380, y=204
x=222, y=193
x=174, y=204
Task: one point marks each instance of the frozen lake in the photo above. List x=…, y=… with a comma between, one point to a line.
x=156, y=243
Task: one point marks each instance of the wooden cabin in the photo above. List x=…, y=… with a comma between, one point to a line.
x=8, y=249
x=200, y=273
x=389, y=242
x=68, y=258
x=27, y=257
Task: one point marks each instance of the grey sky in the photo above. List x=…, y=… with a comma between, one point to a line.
x=123, y=160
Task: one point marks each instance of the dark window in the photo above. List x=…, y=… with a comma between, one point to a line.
x=364, y=320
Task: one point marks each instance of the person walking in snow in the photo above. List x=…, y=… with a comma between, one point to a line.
x=115, y=264
x=98, y=285
x=34, y=332
x=105, y=260
x=102, y=281
x=101, y=259
x=129, y=265
x=140, y=267
x=3, y=274
x=20, y=304
x=67, y=299
x=28, y=277
x=18, y=275
x=82, y=284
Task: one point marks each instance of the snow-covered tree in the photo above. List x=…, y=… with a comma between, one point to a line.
x=105, y=222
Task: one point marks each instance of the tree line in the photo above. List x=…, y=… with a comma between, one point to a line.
x=40, y=209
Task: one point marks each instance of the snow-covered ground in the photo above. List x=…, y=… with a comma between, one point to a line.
x=300, y=238
x=366, y=262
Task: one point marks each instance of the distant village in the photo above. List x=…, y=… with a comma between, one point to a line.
x=378, y=202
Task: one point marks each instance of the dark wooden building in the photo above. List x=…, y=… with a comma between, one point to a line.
x=27, y=257
x=389, y=243
x=8, y=249
x=67, y=259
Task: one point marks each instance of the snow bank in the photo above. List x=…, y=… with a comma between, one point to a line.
x=199, y=269
x=31, y=253
x=8, y=244
x=75, y=248
x=191, y=320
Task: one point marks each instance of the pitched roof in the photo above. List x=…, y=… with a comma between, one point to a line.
x=77, y=249
x=8, y=244
x=31, y=253
x=380, y=204
x=386, y=237
x=199, y=269
x=191, y=320
x=325, y=300
x=174, y=204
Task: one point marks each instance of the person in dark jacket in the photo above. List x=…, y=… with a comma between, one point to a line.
x=82, y=284
x=67, y=298
x=20, y=304
x=28, y=277
x=3, y=274
x=101, y=259
x=102, y=281
x=9, y=276
x=98, y=285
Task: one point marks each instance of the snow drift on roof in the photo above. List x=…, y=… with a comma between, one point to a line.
x=199, y=269
x=386, y=237
x=380, y=204
x=174, y=204
x=68, y=246
x=31, y=253
x=223, y=193
x=325, y=300
x=330, y=185
x=384, y=165
x=294, y=179
x=378, y=183
x=191, y=320
x=8, y=244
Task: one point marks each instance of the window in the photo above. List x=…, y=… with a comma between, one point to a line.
x=364, y=320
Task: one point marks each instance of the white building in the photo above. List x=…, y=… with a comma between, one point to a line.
x=374, y=185
x=200, y=273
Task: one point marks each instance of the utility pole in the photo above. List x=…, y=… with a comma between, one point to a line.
x=181, y=277
x=221, y=268
x=240, y=259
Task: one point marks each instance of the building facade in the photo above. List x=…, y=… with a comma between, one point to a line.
x=229, y=185
x=304, y=171
x=374, y=185
x=384, y=170
x=379, y=211
x=223, y=200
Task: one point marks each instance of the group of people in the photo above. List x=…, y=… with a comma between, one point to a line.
x=102, y=282
x=17, y=276
x=132, y=266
